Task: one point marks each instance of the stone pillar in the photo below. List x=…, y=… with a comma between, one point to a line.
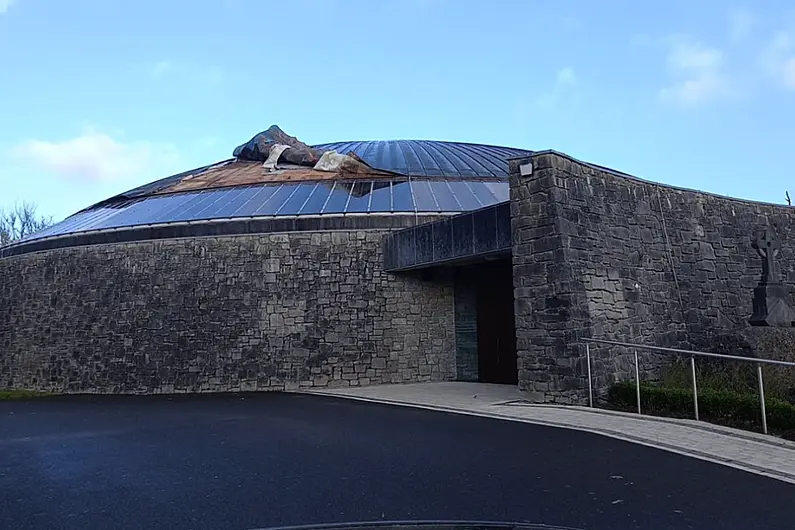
x=550, y=299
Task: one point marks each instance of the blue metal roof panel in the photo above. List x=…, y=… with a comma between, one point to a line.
x=484, y=167
x=432, y=159
x=404, y=196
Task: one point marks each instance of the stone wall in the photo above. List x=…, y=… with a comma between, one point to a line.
x=255, y=312
x=603, y=255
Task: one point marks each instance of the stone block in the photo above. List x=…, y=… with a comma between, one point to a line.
x=378, y=363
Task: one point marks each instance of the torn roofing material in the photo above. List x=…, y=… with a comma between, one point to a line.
x=296, y=152
x=294, y=161
x=405, y=157
x=284, y=159
x=271, y=155
x=245, y=172
x=274, y=147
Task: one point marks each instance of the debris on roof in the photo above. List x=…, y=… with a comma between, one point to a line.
x=258, y=149
x=273, y=158
x=244, y=173
x=274, y=146
x=333, y=161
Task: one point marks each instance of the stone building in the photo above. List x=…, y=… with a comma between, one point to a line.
x=360, y=263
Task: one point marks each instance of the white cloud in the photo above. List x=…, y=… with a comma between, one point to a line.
x=701, y=88
x=4, y=5
x=690, y=56
x=779, y=59
x=698, y=73
x=95, y=157
x=741, y=23
x=563, y=90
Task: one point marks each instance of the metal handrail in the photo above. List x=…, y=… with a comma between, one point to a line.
x=758, y=361
x=692, y=352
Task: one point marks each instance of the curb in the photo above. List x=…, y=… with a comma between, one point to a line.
x=684, y=422
x=758, y=470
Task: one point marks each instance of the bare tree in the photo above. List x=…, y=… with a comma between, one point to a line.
x=20, y=221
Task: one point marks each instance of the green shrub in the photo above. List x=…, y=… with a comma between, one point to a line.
x=724, y=407
x=21, y=394
x=712, y=375
x=735, y=376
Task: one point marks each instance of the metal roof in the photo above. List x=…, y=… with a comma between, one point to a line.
x=428, y=158
x=435, y=178
x=276, y=199
x=417, y=158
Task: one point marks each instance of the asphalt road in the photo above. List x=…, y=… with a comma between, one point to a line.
x=232, y=462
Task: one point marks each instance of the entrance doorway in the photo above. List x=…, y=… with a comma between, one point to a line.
x=496, y=328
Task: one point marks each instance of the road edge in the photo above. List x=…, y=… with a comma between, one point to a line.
x=750, y=468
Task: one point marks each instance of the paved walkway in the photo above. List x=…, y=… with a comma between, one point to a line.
x=757, y=453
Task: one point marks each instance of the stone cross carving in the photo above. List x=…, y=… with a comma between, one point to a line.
x=772, y=299
x=768, y=247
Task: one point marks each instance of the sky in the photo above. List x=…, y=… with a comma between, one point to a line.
x=100, y=96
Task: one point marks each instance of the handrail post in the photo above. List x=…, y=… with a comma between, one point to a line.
x=637, y=380
x=590, y=384
x=627, y=345
x=695, y=389
x=762, y=397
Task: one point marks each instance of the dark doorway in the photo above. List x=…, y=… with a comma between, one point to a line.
x=496, y=329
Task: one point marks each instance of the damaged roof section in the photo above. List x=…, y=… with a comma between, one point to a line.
x=241, y=173
x=274, y=147
x=259, y=148
x=275, y=156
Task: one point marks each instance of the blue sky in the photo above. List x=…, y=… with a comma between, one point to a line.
x=99, y=96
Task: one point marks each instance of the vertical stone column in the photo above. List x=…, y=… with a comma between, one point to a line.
x=550, y=298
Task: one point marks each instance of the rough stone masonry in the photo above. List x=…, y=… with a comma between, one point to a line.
x=596, y=254
x=254, y=312
x=599, y=254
